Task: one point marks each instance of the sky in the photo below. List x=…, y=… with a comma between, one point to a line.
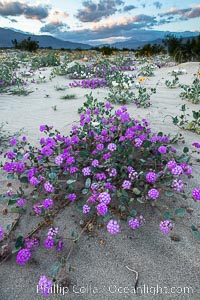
x=100, y=21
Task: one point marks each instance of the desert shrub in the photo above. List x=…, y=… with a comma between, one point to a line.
x=26, y=45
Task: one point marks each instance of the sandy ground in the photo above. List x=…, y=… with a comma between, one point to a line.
x=165, y=267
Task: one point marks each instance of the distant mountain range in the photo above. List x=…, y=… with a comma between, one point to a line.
x=141, y=38
x=45, y=41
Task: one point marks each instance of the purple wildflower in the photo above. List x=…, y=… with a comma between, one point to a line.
x=111, y=147
x=20, y=202
x=153, y=194
x=52, y=231
x=186, y=169
x=13, y=141
x=34, y=181
x=73, y=170
x=11, y=155
x=126, y=185
x=86, y=209
x=166, y=226
x=43, y=128
x=106, y=156
x=49, y=242
x=177, y=171
x=58, y=160
x=95, y=163
x=37, y=208
x=196, y=144
x=136, y=223
x=162, y=150
x=108, y=105
x=72, y=197
x=32, y=243
x=101, y=176
x=47, y=203
x=100, y=147
x=151, y=177
x=23, y=256
x=113, y=227
x=102, y=209
x=47, y=151
x=1, y=233
x=20, y=167
x=171, y=164
x=48, y=187
x=86, y=171
x=138, y=142
x=59, y=246
x=45, y=285
x=104, y=198
x=112, y=172
x=196, y=194
x=177, y=185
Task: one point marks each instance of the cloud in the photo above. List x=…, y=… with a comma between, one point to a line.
x=17, y=8
x=129, y=7
x=137, y=21
x=185, y=13
x=123, y=27
x=157, y=4
x=54, y=27
x=59, y=13
x=13, y=20
x=110, y=40
x=94, y=12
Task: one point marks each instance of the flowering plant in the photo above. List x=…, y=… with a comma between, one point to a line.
x=172, y=84
x=192, y=92
x=110, y=166
x=147, y=70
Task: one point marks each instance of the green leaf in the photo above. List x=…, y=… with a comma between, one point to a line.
x=79, y=207
x=180, y=212
x=10, y=176
x=85, y=191
x=63, y=260
x=169, y=193
x=133, y=213
x=140, y=200
x=51, y=134
x=24, y=179
x=106, y=217
x=83, y=154
x=19, y=242
x=185, y=149
x=54, y=269
x=52, y=176
x=12, y=201
x=122, y=208
x=136, y=191
x=16, y=209
x=8, y=227
x=1, y=197
x=167, y=215
x=142, y=160
x=196, y=234
x=124, y=193
x=131, y=200
x=70, y=181
x=19, y=156
x=88, y=183
x=193, y=228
